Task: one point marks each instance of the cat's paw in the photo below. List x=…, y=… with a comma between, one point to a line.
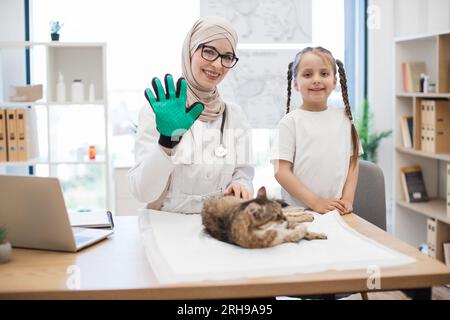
x=293, y=211
x=307, y=217
x=321, y=236
x=315, y=236
x=299, y=218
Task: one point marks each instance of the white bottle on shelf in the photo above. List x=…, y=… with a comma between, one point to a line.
x=60, y=89
x=91, y=93
x=77, y=91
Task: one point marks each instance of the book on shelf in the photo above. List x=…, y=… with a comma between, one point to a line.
x=411, y=72
x=413, y=184
x=408, y=131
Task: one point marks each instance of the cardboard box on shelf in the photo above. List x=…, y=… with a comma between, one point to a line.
x=28, y=93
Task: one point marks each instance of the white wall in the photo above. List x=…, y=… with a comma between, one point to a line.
x=12, y=28
x=12, y=19
x=420, y=16
x=397, y=18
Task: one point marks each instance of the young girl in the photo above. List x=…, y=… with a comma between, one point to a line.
x=316, y=153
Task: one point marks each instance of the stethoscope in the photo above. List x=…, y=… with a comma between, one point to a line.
x=221, y=151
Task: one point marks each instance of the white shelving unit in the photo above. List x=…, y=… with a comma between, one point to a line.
x=86, y=61
x=411, y=218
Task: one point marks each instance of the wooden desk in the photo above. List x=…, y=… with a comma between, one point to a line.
x=117, y=269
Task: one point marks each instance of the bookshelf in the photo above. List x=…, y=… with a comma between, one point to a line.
x=59, y=151
x=412, y=219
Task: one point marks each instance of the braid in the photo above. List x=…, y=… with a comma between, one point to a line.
x=343, y=81
x=289, y=88
x=348, y=110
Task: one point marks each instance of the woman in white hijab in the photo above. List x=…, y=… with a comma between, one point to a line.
x=212, y=154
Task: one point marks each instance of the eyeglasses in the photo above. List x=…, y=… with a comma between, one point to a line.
x=228, y=60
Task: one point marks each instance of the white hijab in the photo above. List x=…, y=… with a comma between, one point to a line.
x=205, y=30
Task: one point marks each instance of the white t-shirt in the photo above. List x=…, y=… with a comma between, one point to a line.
x=319, y=146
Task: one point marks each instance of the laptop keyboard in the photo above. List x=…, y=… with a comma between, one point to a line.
x=82, y=239
x=77, y=230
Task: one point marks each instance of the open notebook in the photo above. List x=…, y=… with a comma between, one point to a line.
x=91, y=219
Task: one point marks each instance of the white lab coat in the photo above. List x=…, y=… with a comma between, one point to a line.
x=181, y=182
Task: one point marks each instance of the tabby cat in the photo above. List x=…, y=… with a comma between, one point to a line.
x=257, y=223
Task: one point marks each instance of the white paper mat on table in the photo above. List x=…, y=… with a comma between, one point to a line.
x=180, y=251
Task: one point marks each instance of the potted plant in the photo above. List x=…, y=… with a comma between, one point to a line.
x=370, y=140
x=5, y=246
x=55, y=26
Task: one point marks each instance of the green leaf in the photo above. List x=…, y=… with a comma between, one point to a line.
x=370, y=140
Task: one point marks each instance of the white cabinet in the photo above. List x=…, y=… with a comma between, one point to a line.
x=69, y=133
x=125, y=203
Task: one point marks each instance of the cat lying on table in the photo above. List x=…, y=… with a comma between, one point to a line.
x=257, y=223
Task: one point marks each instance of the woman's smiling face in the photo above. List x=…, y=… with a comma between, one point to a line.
x=210, y=73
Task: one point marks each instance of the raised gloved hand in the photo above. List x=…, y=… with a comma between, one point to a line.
x=173, y=119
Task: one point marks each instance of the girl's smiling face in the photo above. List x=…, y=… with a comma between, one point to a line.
x=210, y=73
x=315, y=81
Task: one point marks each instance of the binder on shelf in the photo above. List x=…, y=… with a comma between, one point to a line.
x=435, y=126
x=3, y=137
x=413, y=184
x=11, y=129
x=438, y=234
x=447, y=254
x=27, y=142
x=426, y=123
x=423, y=128
x=431, y=237
x=408, y=131
x=22, y=135
x=448, y=190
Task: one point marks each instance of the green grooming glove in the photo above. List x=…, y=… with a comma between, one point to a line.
x=173, y=119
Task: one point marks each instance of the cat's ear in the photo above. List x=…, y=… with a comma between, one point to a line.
x=252, y=208
x=262, y=193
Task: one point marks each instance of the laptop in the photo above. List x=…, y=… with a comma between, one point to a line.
x=35, y=215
